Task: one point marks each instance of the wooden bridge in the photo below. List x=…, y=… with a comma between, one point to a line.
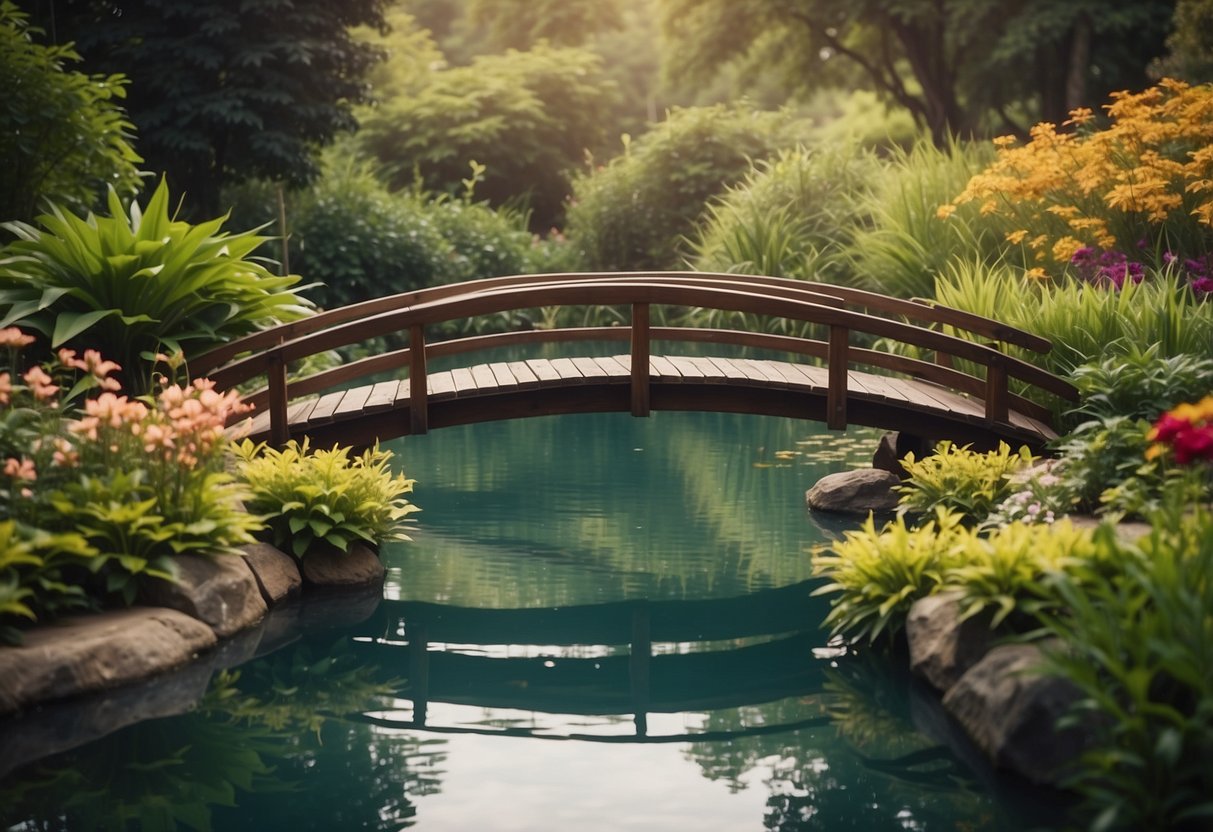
x=955, y=375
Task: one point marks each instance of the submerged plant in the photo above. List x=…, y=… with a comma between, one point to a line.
x=312, y=496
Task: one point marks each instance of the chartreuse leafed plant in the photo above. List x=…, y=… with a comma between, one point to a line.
x=317, y=496
x=1139, y=187
x=879, y=573
x=961, y=480
x=1137, y=640
x=135, y=284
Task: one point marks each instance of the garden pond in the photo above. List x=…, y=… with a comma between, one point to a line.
x=602, y=623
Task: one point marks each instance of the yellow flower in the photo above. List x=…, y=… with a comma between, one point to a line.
x=1016, y=237
x=944, y=211
x=1036, y=273
x=1079, y=117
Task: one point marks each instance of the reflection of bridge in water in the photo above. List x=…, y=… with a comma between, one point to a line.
x=754, y=649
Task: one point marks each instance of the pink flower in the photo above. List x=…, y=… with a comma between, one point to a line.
x=6, y=387
x=13, y=337
x=96, y=366
x=40, y=384
x=20, y=469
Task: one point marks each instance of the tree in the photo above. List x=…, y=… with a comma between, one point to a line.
x=1190, y=46
x=528, y=118
x=951, y=63
x=225, y=90
x=63, y=135
x=512, y=24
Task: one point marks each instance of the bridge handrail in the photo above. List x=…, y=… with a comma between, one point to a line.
x=811, y=303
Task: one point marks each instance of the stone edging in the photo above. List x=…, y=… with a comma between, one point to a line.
x=174, y=624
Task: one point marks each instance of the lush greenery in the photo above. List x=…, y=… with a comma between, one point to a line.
x=137, y=283
x=221, y=92
x=312, y=496
x=63, y=134
x=961, y=480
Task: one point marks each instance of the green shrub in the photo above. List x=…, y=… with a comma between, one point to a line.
x=633, y=213
x=1140, y=384
x=879, y=574
x=134, y=286
x=960, y=480
x=1137, y=640
x=906, y=247
x=484, y=242
x=793, y=216
x=311, y=496
x=63, y=136
x=1104, y=464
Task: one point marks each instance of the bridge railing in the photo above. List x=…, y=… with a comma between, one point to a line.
x=847, y=314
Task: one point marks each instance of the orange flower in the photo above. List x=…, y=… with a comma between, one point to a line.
x=20, y=469
x=13, y=337
x=40, y=384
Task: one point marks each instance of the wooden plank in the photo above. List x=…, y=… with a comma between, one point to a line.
x=524, y=376
x=382, y=397
x=568, y=370
x=326, y=406
x=352, y=402
x=729, y=370
x=876, y=387
x=483, y=377
x=855, y=381
x=442, y=385
x=788, y=372
x=711, y=373
x=816, y=378
x=464, y=382
x=589, y=368
x=762, y=371
x=686, y=367
x=503, y=376
x=615, y=369
x=663, y=368
x=297, y=412
x=544, y=371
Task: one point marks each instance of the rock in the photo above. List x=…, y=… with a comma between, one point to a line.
x=276, y=572
x=218, y=590
x=892, y=450
x=942, y=647
x=854, y=492
x=325, y=565
x=1011, y=712
x=97, y=652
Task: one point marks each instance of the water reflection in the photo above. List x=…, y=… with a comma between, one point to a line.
x=604, y=623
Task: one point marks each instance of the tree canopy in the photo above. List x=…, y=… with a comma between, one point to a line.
x=956, y=65
x=224, y=90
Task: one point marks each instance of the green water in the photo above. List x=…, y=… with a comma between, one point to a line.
x=602, y=623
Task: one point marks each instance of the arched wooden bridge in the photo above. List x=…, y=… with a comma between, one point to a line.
x=960, y=379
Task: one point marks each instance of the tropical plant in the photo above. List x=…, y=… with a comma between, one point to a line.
x=325, y=496
x=1137, y=640
x=960, y=480
x=878, y=574
x=63, y=135
x=136, y=285
x=633, y=213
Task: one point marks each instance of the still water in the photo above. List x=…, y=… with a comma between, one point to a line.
x=602, y=623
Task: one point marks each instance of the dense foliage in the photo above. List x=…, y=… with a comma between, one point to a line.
x=63, y=134
x=222, y=91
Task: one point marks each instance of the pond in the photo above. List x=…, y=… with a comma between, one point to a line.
x=601, y=623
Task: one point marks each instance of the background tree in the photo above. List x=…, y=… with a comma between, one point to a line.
x=223, y=90
x=528, y=117
x=63, y=135
x=1190, y=46
x=952, y=65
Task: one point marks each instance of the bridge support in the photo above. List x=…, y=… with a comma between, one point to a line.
x=836, y=393
x=640, y=359
x=418, y=383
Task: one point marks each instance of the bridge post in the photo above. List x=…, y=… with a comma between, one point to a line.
x=280, y=429
x=997, y=399
x=418, y=383
x=836, y=393
x=640, y=359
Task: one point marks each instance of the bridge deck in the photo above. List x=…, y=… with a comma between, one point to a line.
x=582, y=384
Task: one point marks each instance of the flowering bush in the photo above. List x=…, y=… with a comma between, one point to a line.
x=1184, y=432
x=97, y=496
x=1144, y=183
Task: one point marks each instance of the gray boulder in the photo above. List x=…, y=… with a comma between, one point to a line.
x=97, y=652
x=220, y=591
x=942, y=647
x=276, y=572
x=1011, y=710
x=325, y=565
x=854, y=492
